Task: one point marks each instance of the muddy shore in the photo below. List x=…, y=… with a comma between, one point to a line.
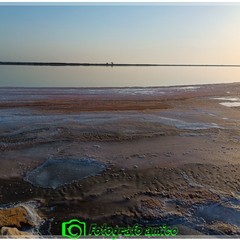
x=153, y=156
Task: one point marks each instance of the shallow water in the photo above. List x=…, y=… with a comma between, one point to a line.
x=180, y=124
x=220, y=212
x=57, y=172
x=46, y=76
x=25, y=120
x=230, y=104
x=232, y=101
x=203, y=217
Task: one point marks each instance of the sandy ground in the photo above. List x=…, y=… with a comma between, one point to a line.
x=171, y=155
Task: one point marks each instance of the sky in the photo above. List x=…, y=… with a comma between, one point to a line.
x=123, y=33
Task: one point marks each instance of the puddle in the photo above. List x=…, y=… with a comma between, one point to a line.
x=233, y=99
x=186, y=88
x=230, y=104
x=181, y=124
x=219, y=212
x=57, y=172
x=137, y=91
x=199, y=221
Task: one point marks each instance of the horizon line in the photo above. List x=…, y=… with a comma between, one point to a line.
x=111, y=64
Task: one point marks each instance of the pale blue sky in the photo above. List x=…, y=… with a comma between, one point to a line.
x=158, y=33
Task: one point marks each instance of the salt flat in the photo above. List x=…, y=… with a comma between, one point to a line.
x=163, y=155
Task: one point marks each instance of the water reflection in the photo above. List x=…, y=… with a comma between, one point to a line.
x=48, y=76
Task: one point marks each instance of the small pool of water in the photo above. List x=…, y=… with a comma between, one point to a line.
x=225, y=212
x=57, y=172
x=230, y=104
x=180, y=124
x=233, y=99
x=201, y=219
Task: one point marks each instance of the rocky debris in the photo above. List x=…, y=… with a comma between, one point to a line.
x=14, y=233
x=97, y=146
x=141, y=156
x=224, y=228
x=15, y=217
x=168, y=154
x=151, y=203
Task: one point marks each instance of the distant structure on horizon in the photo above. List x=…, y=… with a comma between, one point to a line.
x=107, y=64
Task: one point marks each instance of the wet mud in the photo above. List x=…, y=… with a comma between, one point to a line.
x=122, y=156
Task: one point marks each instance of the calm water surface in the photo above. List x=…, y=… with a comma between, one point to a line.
x=48, y=76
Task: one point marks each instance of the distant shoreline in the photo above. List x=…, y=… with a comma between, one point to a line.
x=115, y=64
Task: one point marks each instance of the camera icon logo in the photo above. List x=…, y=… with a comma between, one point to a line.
x=74, y=229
